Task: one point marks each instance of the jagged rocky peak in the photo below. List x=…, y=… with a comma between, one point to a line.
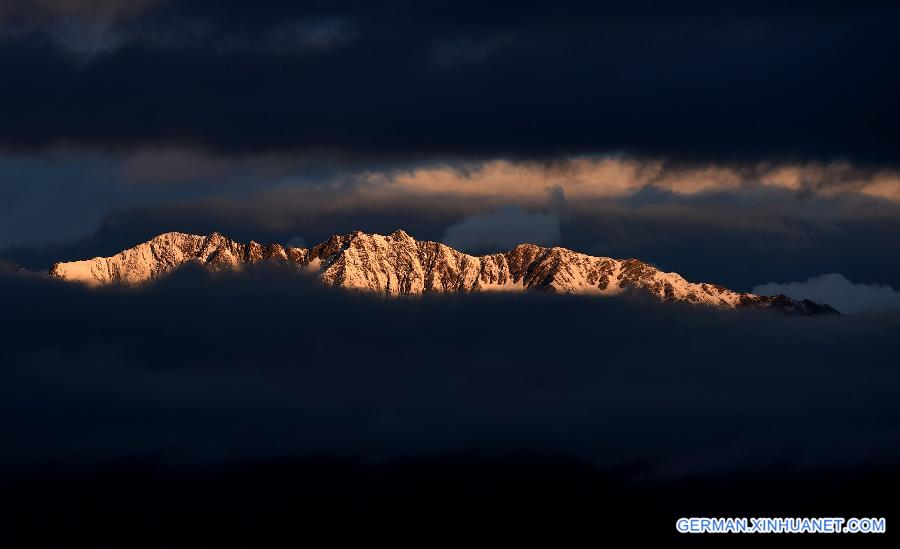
x=166, y=252
x=398, y=264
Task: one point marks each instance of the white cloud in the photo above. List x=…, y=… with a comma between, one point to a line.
x=838, y=292
x=503, y=229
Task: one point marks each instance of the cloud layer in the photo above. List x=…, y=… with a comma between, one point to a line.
x=258, y=366
x=704, y=82
x=613, y=176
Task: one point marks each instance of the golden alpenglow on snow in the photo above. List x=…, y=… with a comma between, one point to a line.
x=398, y=264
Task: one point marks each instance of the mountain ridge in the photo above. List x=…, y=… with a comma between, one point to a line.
x=397, y=264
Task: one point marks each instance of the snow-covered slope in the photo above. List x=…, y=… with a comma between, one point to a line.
x=398, y=264
x=166, y=252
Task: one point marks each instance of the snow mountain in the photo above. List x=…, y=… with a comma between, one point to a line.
x=398, y=264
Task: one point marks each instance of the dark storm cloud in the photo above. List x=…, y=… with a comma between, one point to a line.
x=262, y=366
x=698, y=80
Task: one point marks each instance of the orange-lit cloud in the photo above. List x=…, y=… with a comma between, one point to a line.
x=612, y=177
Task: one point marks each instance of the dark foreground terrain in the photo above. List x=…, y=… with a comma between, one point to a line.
x=423, y=503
